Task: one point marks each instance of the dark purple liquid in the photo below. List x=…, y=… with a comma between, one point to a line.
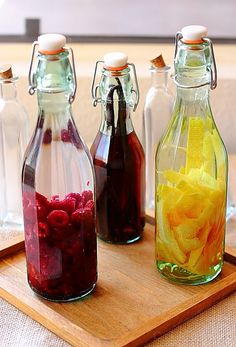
x=120, y=187
x=61, y=248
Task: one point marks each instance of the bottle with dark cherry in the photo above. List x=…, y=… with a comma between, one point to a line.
x=118, y=156
x=58, y=184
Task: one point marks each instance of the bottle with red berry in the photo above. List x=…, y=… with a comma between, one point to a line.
x=58, y=183
x=117, y=154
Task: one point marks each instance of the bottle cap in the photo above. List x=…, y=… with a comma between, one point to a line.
x=116, y=60
x=158, y=61
x=6, y=72
x=51, y=43
x=193, y=33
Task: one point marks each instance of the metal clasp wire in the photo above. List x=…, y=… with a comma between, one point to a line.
x=72, y=96
x=213, y=73
x=94, y=89
x=31, y=77
x=135, y=91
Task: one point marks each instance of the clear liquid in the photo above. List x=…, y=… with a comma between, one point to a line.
x=13, y=140
x=156, y=115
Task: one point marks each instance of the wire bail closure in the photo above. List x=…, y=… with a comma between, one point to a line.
x=31, y=76
x=95, y=89
x=213, y=72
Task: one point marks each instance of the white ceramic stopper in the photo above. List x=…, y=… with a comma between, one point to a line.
x=193, y=33
x=51, y=42
x=115, y=59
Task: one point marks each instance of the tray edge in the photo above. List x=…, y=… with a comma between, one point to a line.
x=169, y=320
x=12, y=245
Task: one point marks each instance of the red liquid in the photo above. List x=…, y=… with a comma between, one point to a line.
x=120, y=187
x=61, y=246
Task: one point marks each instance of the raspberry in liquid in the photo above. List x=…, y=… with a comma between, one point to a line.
x=60, y=244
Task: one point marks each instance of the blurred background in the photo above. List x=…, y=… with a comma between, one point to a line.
x=140, y=28
x=125, y=20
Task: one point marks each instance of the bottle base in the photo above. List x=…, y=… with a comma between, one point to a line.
x=64, y=299
x=121, y=242
x=176, y=274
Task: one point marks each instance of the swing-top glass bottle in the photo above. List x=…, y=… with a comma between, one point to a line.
x=58, y=183
x=14, y=124
x=117, y=154
x=191, y=170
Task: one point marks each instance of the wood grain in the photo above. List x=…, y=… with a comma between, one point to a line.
x=131, y=304
x=11, y=246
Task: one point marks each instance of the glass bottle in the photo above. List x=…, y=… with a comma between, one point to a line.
x=191, y=171
x=58, y=184
x=13, y=141
x=118, y=156
x=156, y=115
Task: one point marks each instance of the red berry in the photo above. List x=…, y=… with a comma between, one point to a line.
x=50, y=262
x=55, y=197
x=41, y=213
x=47, y=137
x=90, y=205
x=43, y=230
x=72, y=195
x=33, y=274
x=82, y=216
x=65, y=136
x=78, y=198
x=86, y=196
x=68, y=205
x=58, y=219
x=41, y=200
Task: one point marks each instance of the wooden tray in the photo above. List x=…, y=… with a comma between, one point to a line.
x=131, y=304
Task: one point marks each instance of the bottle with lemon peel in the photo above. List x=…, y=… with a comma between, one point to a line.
x=191, y=170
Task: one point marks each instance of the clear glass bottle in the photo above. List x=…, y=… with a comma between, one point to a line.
x=118, y=156
x=156, y=115
x=191, y=171
x=58, y=184
x=13, y=141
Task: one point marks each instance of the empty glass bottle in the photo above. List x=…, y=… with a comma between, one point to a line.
x=58, y=184
x=13, y=141
x=156, y=115
x=118, y=156
x=191, y=171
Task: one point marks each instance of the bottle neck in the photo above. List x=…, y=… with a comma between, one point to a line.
x=54, y=81
x=8, y=90
x=192, y=68
x=116, y=98
x=159, y=77
x=193, y=64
